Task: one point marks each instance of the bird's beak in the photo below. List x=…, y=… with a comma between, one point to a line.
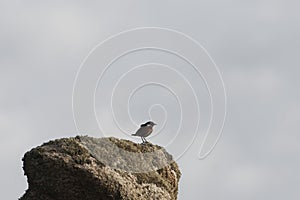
x=155, y=124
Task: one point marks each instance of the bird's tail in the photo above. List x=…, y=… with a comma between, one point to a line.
x=133, y=134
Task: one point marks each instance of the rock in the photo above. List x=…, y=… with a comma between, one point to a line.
x=89, y=168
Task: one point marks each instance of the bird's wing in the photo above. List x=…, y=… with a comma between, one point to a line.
x=143, y=131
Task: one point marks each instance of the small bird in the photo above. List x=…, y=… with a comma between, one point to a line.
x=145, y=130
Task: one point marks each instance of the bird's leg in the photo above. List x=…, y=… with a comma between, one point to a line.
x=142, y=139
x=145, y=140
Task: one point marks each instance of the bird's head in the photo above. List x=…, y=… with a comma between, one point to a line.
x=150, y=123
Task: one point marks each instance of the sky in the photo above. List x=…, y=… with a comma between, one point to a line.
x=254, y=44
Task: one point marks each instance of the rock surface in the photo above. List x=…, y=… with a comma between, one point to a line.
x=89, y=168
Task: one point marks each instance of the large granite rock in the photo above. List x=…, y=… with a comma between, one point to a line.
x=89, y=168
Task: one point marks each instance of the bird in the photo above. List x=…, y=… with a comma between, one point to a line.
x=145, y=130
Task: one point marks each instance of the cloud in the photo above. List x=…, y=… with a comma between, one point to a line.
x=254, y=43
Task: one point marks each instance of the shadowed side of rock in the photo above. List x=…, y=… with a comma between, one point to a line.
x=99, y=168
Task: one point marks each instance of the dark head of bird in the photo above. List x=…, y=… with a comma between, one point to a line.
x=150, y=123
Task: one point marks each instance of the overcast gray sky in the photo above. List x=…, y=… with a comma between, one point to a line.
x=254, y=43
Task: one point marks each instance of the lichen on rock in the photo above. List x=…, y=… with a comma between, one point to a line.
x=99, y=168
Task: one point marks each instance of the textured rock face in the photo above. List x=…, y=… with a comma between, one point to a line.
x=92, y=168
